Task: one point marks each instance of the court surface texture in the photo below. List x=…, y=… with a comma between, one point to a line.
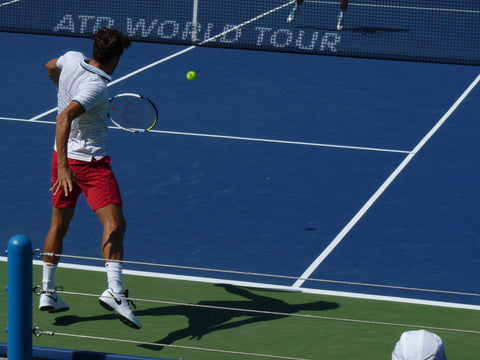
x=300, y=206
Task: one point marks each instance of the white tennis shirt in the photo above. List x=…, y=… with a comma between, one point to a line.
x=87, y=85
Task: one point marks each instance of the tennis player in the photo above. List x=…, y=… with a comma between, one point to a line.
x=80, y=164
x=341, y=16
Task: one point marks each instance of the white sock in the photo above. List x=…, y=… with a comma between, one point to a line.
x=49, y=276
x=114, y=276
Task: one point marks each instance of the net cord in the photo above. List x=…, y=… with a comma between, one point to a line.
x=39, y=253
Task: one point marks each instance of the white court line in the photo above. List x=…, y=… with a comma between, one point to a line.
x=211, y=280
x=151, y=65
x=133, y=73
x=9, y=3
x=12, y=119
x=48, y=112
x=282, y=141
x=380, y=190
x=402, y=7
x=288, y=142
x=27, y=120
x=270, y=286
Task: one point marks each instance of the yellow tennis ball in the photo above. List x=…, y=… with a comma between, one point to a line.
x=191, y=75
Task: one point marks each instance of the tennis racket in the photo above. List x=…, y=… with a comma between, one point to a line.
x=132, y=112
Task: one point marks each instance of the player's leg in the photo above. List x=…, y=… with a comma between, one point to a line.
x=103, y=195
x=294, y=11
x=114, y=225
x=114, y=298
x=341, y=16
x=58, y=229
x=49, y=300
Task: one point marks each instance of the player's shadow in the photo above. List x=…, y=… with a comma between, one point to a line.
x=67, y=320
x=218, y=315
x=364, y=30
x=375, y=30
x=209, y=316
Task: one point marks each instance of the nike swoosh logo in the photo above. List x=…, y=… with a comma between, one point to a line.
x=54, y=298
x=117, y=300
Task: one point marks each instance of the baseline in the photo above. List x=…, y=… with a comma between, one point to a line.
x=263, y=285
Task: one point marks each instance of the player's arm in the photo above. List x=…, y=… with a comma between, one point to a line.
x=53, y=71
x=64, y=121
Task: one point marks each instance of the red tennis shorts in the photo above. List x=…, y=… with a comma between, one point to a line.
x=97, y=182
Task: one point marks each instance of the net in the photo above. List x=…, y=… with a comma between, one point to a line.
x=446, y=31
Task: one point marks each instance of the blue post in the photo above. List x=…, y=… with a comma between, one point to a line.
x=19, y=321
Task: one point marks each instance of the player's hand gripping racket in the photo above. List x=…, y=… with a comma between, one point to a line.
x=132, y=112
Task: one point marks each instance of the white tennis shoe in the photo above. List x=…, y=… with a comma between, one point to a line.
x=119, y=303
x=51, y=302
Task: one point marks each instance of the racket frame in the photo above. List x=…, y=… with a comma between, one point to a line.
x=138, y=96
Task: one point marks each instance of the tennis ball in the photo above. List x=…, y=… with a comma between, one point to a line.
x=191, y=75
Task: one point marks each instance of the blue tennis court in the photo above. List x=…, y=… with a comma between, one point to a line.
x=309, y=168
x=272, y=189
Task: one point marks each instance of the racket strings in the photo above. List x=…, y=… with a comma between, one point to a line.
x=133, y=112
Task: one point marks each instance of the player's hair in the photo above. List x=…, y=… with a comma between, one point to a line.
x=109, y=43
